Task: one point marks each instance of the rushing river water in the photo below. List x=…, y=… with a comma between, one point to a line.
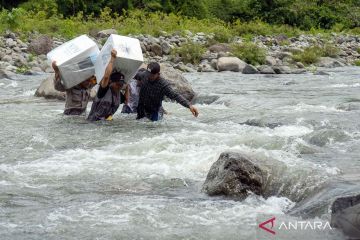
x=64, y=178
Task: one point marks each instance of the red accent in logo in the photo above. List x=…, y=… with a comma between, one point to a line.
x=272, y=221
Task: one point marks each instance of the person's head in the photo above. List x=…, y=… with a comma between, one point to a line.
x=88, y=83
x=138, y=75
x=154, y=69
x=117, y=81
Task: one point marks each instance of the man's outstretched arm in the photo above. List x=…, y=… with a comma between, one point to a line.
x=173, y=95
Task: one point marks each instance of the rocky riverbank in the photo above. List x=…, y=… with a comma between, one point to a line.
x=29, y=56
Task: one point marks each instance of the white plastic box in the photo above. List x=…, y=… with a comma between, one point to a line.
x=76, y=60
x=129, y=56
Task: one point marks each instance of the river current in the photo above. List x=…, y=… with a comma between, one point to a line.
x=64, y=178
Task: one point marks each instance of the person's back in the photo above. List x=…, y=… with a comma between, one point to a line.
x=77, y=97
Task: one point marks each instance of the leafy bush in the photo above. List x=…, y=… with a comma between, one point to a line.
x=330, y=50
x=310, y=55
x=189, y=52
x=249, y=52
x=357, y=63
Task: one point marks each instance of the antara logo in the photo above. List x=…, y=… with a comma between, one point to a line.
x=264, y=227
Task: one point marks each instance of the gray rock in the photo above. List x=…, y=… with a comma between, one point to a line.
x=143, y=48
x=41, y=45
x=10, y=42
x=213, y=63
x=2, y=54
x=6, y=58
x=328, y=62
x=9, y=34
x=205, y=67
x=47, y=90
x=166, y=48
x=17, y=49
x=182, y=67
x=11, y=68
x=235, y=175
x=230, y=64
x=221, y=47
x=36, y=69
x=250, y=69
x=266, y=69
x=6, y=74
x=282, y=55
x=300, y=65
x=345, y=215
x=106, y=33
x=282, y=69
x=298, y=71
x=209, y=56
x=156, y=49
x=269, y=60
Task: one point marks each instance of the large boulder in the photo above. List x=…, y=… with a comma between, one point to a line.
x=48, y=91
x=250, y=69
x=178, y=81
x=328, y=62
x=266, y=69
x=230, y=64
x=234, y=175
x=345, y=215
x=41, y=45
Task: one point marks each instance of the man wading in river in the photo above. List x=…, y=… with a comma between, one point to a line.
x=108, y=97
x=77, y=97
x=153, y=90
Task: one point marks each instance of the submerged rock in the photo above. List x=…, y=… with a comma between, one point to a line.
x=346, y=215
x=235, y=175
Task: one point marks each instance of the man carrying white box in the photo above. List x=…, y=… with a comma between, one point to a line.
x=108, y=97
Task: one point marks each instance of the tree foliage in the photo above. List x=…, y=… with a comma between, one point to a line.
x=305, y=14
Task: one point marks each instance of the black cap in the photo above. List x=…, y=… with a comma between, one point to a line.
x=117, y=77
x=153, y=67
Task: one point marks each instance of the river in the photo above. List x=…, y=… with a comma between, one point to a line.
x=64, y=178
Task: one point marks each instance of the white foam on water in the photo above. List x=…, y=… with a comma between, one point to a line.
x=5, y=183
x=28, y=93
x=303, y=107
x=343, y=85
x=13, y=84
x=291, y=131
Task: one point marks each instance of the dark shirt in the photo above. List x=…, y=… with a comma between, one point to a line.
x=102, y=91
x=152, y=94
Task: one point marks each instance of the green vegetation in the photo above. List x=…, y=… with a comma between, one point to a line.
x=249, y=52
x=189, y=52
x=22, y=69
x=330, y=50
x=357, y=63
x=312, y=54
x=224, y=18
